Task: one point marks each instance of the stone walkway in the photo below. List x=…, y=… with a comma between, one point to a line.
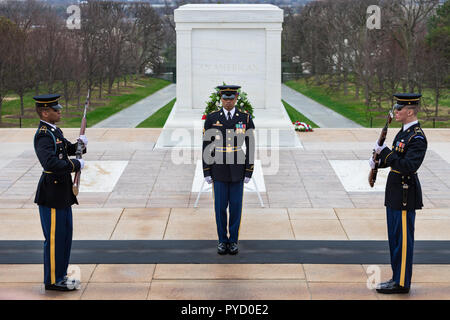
x=321, y=115
x=135, y=114
x=138, y=112
x=305, y=199
x=163, y=178
x=222, y=281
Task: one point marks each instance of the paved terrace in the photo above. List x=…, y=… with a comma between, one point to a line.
x=152, y=200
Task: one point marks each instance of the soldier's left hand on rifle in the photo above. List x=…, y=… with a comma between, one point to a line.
x=377, y=148
x=372, y=163
x=83, y=139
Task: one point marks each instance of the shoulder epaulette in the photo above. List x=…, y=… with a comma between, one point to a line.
x=211, y=113
x=417, y=133
x=44, y=130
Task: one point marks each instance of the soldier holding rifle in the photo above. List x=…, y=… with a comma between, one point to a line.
x=403, y=191
x=54, y=193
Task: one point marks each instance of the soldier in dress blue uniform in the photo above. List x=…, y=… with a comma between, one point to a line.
x=54, y=194
x=403, y=191
x=226, y=165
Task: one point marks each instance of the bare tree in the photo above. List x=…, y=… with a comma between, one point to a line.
x=48, y=38
x=113, y=36
x=145, y=38
x=23, y=14
x=410, y=23
x=69, y=66
x=90, y=35
x=8, y=32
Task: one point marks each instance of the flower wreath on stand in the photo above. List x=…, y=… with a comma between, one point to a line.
x=213, y=104
x=301, y=126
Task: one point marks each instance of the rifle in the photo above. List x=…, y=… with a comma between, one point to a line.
x=373, y=172
x=79, y=152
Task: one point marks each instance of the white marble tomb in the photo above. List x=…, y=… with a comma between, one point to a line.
x=236, y=44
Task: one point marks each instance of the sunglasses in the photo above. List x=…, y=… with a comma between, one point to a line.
x=59, y=107
x=399, y=107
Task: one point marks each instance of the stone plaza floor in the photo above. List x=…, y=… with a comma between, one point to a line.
x=314, y=193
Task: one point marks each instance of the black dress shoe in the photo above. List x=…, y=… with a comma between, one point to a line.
x=222, y=248
x=234, y=248
x=391, y=288
x=390, y=281
x=61, y=286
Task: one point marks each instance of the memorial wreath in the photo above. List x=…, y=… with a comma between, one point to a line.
x=301, y=126
x=213, y=104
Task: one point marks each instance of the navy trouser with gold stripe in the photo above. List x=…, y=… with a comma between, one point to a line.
x=228, y=194
x=400, y=225
x=57, y=228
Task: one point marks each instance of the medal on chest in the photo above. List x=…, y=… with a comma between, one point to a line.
x=240, y=127
x=400, y=146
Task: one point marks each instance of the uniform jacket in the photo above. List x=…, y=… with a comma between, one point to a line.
x=222, y=144
x=407, y=154
x=53, y=150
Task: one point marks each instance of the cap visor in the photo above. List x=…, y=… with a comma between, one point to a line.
x=228, y=96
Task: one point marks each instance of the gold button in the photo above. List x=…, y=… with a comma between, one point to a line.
x=56, y=181
x=229, y=145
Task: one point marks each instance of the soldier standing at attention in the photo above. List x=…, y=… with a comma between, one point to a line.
x=403, y=192
x=54, y=193
x=226, y=165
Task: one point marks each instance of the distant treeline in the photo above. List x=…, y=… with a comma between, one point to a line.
x=326, y=40
x=329, y=40
x=116, y=40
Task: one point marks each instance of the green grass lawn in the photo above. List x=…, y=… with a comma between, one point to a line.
x=158, y=119
x=99, y=109
x=355, y=109
x=294, y=115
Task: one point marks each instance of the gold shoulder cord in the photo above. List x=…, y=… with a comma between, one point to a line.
x=73, y=166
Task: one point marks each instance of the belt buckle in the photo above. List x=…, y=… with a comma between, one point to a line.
x=229, y=149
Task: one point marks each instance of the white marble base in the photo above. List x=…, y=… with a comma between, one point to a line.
x=354, y=174
x=249, y=187
x=101, y=176
x=184, y=128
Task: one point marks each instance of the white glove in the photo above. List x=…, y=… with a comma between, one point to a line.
x=81, y=163
x=247, y=180
x=378, y=148
x=84, y=139
x=371, y=163
x=208, y=179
